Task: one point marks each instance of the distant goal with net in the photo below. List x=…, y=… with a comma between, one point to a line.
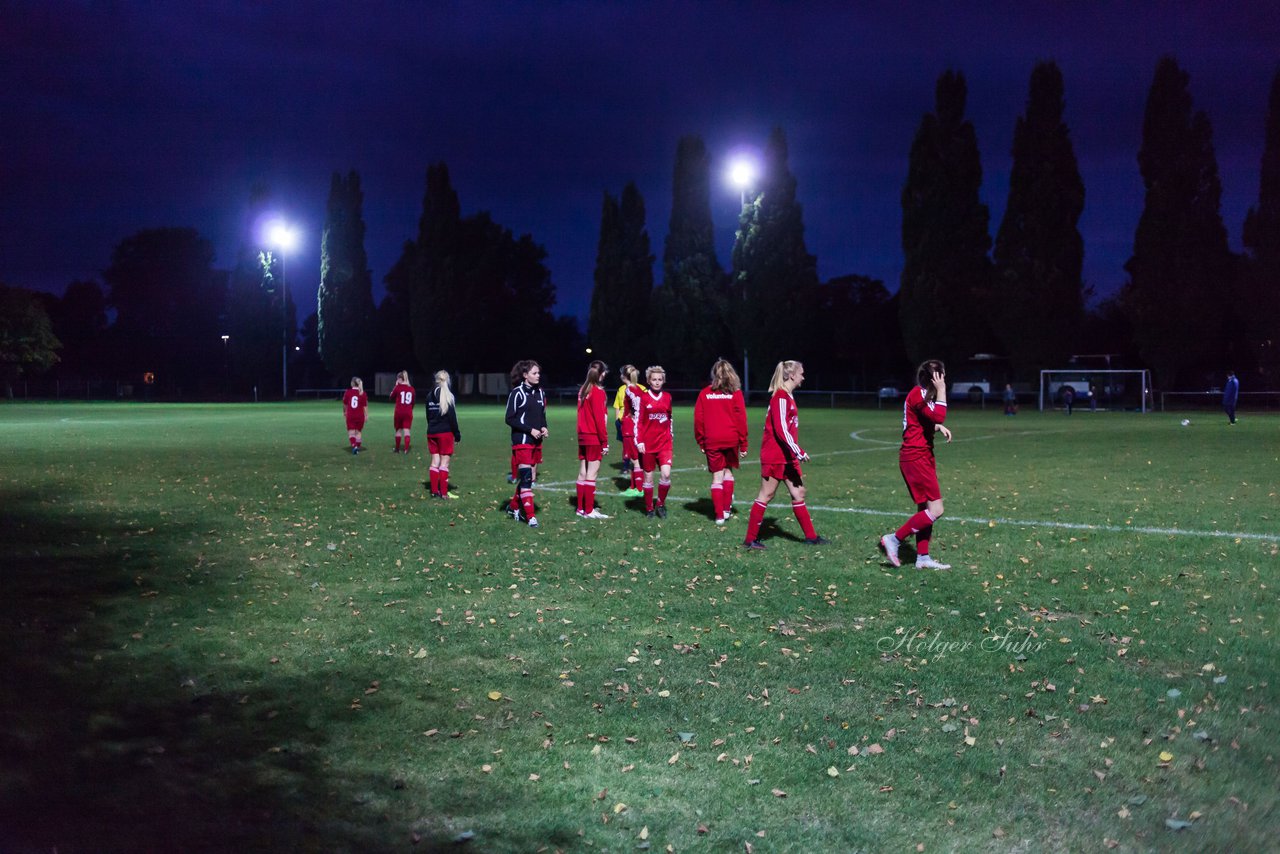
x=1112, y=389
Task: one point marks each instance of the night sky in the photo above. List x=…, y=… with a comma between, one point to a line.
x=123, y=116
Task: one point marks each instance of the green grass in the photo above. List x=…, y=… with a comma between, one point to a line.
x=223, y=632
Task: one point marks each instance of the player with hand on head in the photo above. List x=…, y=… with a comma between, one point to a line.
x=654, y=432
x=402, y=419
x=593, y=437
x=442, y=433
x=781, y=456
x=355, y=407
x=922, y=415
x=720, y=429
x=624, y=403
x=527, y=418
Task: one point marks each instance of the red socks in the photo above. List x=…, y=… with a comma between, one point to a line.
x=397, y=444
x=802, y=516
x=918, y=522
x=664, y=486
x=717, y=501
x=406, y=443
x=648, y=497
x=637, y=477
x=728, y=494
x=754, y=522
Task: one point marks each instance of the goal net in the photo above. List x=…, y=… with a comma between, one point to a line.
x=1109, y=389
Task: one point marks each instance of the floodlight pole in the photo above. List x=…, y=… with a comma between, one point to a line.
x=284, y=329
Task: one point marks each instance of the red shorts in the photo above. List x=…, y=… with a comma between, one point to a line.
x=789, y=472
x=629, y=447
x=719, y=459
x=590, y=453
x=355, y=423
x=649, y=462
x=921, y=476
x=402, y=420
x=440, y=443
x=527, y=455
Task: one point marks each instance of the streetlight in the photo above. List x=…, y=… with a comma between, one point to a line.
x=283, y=238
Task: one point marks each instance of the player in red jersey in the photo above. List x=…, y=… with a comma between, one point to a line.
x=720, y=429
x=527, y=418
x=442, y=432
x=654, y=430
x=630, y=402
x=781, y=455
x=355, y=405
x=593, y=437
x=922, y=415
x=402, y=420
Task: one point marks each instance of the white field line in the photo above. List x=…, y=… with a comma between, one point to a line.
x=562, y=486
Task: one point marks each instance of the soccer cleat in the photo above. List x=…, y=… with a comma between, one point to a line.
x=517, y=515
x=754, y=545
x=355, y=449
x=927, y=562
x=511, y=478
x=720, y=521
x=579, y=513
x=651, y=514
x=889, y=545
x=662, y=511
x=727, y=516
x=631, y=492
x=533, y=521
x=452, y=495
x=817, y=541
x=595, y=514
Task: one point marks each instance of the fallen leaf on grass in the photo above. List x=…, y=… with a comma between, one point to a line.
x=675, y=757
x=875, y=749
x=495, y=695
x=778, y=793
x=1176, y=824
x=1166, y=756
x=832, y=771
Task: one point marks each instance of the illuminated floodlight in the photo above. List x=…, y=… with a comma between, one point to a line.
x=742, y=173
x=280, y=235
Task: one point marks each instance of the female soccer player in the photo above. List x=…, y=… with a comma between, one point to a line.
x=527, y=418
x=622, y=418
x=654, y=430
x=625, y=403
x=355, y=405
x=402, y=420
x=593, y=437
x=781, y=455
x=720, y=429
x=442, y=432
x=922, y=415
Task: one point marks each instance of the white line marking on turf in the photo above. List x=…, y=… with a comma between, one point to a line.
x=1025, y=523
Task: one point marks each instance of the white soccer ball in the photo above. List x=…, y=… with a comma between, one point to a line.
x=1186, y=422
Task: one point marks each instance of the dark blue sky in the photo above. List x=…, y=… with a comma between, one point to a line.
x=122, y=116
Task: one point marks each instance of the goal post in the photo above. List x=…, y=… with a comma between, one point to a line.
x=1113, y=388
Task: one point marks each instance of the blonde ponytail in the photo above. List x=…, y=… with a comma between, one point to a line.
x=446, y=396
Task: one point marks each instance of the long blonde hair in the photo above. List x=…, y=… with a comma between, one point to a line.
x=724, y=377
x=630, y=375
x=446, y=396
x=785, y=371
x=403, y=377
x=357, y=383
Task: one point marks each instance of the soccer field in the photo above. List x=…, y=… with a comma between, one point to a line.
x=225, y=632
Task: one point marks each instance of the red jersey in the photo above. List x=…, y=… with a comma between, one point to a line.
x=781, y=442
x=720, y=420
x=630, y=403
x=592, y=418
x=402, y=397
x=354, y=403
x=652, y=421
x=920, y=418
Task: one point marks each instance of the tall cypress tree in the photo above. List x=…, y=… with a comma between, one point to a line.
x=1181, y=265
x=1039, y=300
x=619, y=323
x=774, y=274
x=606, y=326
x=344, y=306
x=692, y=301
x=1260, y=285
x=946, y=275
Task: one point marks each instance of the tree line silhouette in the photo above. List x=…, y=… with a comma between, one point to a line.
x=469, y=295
